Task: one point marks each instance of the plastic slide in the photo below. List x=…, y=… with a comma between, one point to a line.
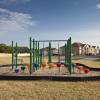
x=88, y=67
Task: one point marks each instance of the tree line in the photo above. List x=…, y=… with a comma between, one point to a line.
x=8, y=49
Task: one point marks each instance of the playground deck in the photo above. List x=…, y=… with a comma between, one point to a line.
x=6, y=73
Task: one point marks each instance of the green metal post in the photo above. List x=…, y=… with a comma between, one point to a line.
x=40, y=57
x=16, y=53
x=38, y=54
x=12, y=55
x=33, y=54
x=49, y=53
x=69, y=55
x=68, y=51
x=30, y=56
x=33, y=51
x=42, y=52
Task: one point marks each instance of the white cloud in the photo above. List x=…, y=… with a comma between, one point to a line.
x=98, y=5
x=13, y=1
x=15, y=21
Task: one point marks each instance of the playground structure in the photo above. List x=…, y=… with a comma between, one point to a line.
x=37, y=56
x=39, y=65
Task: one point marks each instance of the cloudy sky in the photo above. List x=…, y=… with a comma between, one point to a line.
x=50, y=19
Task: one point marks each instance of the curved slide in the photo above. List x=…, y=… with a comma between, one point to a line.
x=88, y=67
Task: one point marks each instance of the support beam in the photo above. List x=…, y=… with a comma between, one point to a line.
x=69, y=50
x=52, y=41
x=41, y=57
x=33, y=51
x=30, y=56
x=12, y=55
x=16, y=54
x=38, y=53
x=49, y=53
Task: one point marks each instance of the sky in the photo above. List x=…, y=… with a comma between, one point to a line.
x=50, y=19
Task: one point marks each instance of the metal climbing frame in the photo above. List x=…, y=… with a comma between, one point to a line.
x=37, y=55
